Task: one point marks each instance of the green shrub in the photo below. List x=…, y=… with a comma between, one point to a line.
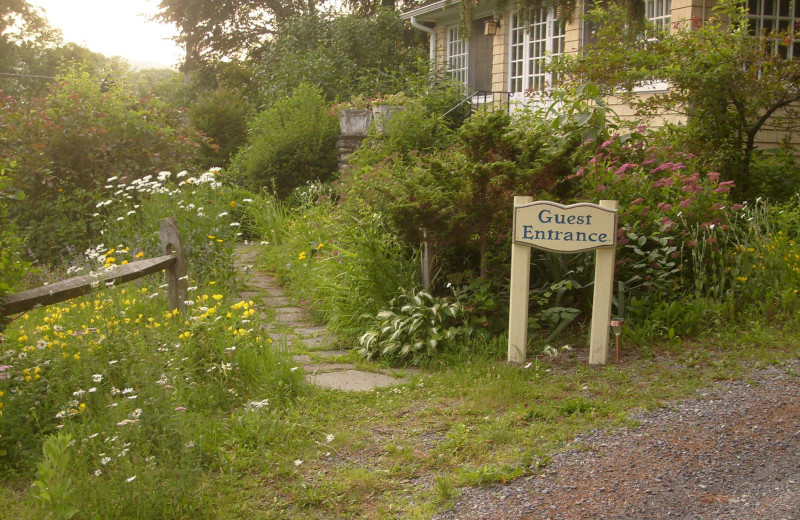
x=290, y=143
x=66, y=145
x=13, y=267
x=222, y=116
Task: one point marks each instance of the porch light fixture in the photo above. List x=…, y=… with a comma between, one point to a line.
x=490, y=27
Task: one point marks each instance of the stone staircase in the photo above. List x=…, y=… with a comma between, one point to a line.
x=312, y=347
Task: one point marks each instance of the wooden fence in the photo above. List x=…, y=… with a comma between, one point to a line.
x=172, y=262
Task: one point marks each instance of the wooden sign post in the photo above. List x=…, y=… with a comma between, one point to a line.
x=562, y=229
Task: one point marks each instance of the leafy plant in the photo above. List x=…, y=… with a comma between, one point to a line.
x=413, y=327
x=53, y=485
x=289, y=143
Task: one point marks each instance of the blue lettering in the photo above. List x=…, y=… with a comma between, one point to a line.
x=526, y=232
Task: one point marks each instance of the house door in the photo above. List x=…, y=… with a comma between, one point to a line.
x=480, y=58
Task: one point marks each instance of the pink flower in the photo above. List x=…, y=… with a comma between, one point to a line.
x=737, y=207
x=663, y=206
x=714, y=176
x=637, y=201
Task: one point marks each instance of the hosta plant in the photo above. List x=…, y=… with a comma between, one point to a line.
x=415, y=325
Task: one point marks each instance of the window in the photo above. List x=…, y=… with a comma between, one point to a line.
x=457, y=55
x=532, y=45
x=776, y=17
x=659, y=12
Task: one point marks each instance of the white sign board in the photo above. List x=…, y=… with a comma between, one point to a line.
x=562, y=229
x=565, y=229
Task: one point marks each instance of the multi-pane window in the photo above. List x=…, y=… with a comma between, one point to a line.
x=778, y=18
x=457, y=55
x=532, y=45
x=659, y=12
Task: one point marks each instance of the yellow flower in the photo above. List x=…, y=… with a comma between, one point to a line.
x=217, y=297
x=233, y=203
x=302, y=256
x=320, y=246
x=110, y=251
x=212, y=237
x=77, y=356
x=82, y=407
x=140, y=254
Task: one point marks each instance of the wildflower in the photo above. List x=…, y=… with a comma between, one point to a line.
x=180, y=408
x=131, y=479
x=298, y=462
x=302, y=256
x=97, y=378
x=329, y=438
x=233, y=203
x=105, y=460
x=139, y=254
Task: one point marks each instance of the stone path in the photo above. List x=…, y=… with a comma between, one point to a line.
x=314, y=348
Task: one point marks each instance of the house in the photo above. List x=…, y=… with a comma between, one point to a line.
x=505, y=55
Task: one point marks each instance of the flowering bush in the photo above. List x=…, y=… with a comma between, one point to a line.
x=664, y=196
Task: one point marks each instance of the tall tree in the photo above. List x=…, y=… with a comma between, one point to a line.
x=213, y=30
x=26, y=41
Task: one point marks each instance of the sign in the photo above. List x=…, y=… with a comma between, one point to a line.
x=565, y=229
x=562, y=229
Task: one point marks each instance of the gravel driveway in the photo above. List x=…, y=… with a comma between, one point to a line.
x=730, y=453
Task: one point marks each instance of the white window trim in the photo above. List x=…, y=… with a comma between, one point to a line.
x=554, y=41
x=658, y=12
x=758, y=21
x=457, y=49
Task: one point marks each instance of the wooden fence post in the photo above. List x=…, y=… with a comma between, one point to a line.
x=177, y=286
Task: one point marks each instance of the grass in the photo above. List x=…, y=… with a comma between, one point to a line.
x=400, y=452
x=199, y=416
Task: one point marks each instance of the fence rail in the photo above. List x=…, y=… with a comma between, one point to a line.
x=172, y=262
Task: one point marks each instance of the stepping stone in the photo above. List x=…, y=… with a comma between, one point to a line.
x=327, y=367
x=352, y=380
x=262, y=280
x=311, y=330
x=306, y=358
x=277, y=301
x=289, y=314
x=249, y=295
x=318, y=341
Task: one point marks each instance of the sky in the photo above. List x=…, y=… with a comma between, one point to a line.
x=115, y=28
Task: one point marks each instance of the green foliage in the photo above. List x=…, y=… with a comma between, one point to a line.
x=53, y=486
x=347, y=266
x=342, y=55
x=458, y=195
x=727, y=81
x=222, y=116
x=13, y=267
x=68, y=143
x=290, y=143
x=413, y=327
